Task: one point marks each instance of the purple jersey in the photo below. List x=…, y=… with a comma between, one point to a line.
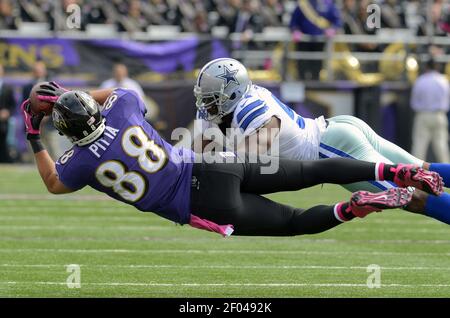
x=131, y=162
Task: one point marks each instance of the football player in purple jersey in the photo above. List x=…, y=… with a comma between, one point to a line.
x=117, y=152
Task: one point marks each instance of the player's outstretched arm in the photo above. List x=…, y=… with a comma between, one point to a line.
x=47, y=170
x=44, y=162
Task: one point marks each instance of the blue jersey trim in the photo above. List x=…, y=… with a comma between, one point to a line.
x=248, y=108
x=300, y=122
x=252, y=116
x=336, y=151
x=286, y=108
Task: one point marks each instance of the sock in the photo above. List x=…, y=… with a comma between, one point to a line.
x=438, y=207
x=383, y=172
x=342, y=212
x=443, y=169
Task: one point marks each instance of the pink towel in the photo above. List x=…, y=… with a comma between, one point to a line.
x=203, y=224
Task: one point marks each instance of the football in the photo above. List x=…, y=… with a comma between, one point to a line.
x=38, y=106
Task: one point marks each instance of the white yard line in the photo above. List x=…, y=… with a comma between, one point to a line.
x=205, y=252
x=35, y=196
x=228, y=284
x=168, y=266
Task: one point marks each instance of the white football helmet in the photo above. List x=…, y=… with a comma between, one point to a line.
x=220, y=85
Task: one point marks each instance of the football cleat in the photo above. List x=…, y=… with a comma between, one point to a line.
x=414, y=176
x=364, y=202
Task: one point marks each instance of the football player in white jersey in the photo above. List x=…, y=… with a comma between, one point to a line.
x=226, y=98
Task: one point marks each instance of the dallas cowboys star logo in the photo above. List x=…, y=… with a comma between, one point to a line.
x=228, y=76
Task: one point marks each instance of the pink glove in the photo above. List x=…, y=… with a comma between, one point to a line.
x=32, y=122
x=50, y=92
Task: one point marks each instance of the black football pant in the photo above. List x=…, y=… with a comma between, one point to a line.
x=232, y=194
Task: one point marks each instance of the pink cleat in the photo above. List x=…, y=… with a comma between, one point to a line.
x=414, y=176
x=363, y=202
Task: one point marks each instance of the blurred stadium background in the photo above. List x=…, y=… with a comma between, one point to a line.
x=360, y=58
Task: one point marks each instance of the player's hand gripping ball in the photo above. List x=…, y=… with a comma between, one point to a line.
x=43, y=96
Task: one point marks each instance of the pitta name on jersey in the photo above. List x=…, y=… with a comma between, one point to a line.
x=100, y=145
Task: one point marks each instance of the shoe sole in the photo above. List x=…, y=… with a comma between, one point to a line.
x=390, y=199
x=429, y=183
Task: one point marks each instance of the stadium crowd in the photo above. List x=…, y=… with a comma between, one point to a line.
x=238, y=15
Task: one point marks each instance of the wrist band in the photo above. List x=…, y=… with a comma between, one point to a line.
x=36, y=145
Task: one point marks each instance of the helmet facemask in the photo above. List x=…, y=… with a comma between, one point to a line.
x=209, y=104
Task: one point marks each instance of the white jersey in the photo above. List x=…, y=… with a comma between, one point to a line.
x=299, y=138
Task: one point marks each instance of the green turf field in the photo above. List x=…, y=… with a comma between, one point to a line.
x=125, y=253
